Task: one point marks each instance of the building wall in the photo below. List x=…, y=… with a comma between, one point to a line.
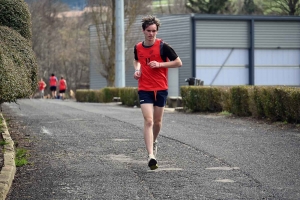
x=223, y=47
x=220, y=50
x=277, y=53
x=96, y=80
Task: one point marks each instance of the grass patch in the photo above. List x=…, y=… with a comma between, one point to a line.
x=21, y=157
x=3, y=142
x=1, y=125
x=225, y=113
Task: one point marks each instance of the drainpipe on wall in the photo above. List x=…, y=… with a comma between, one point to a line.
x=193, y=42
x=251, y=54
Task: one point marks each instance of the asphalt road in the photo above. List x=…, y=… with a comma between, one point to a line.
x=96, y=151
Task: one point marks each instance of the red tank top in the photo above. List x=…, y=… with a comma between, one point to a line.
x=151, y=79
x=62, y=84
x=41, y=85
x=53, y=81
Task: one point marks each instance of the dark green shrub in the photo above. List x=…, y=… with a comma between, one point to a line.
x=294, y=105
x=281, y=97
x=18, y=66
x=129, y=96
x=109, y=93
x=287, y=104
x=17, y=45
x=255, y=102
x=225, y=98
x=10, y=80
x=15, y=14
x=190, y=98
x=89, y=96
x=240, y=101
x=201, y=99
x=268, y=102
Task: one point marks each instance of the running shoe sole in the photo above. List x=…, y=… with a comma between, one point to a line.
x=152, y=164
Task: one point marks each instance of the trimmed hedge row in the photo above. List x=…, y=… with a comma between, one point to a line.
x=18, y=67
x=128, y=96
x=274, y=103
x=201, y=99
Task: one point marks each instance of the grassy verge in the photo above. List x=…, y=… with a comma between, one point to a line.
x=3, y=142
x=21, y=154
x=21, y=157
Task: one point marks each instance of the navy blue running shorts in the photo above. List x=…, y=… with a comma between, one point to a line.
x=157, y=98
x=52, y=88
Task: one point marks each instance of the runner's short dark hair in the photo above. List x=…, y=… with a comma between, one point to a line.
x=150, y=20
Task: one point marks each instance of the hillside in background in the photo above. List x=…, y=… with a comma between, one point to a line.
x=73, y=4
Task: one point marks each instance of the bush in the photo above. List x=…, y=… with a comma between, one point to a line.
x=294, y=105
x=15, y=14
x=109, y=93
x=201, y=99
x=18, y=66
x=129, y=96
x=89, y=96
x=255, y=102
x=240, y=101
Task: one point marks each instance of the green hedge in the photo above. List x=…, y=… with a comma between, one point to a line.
x=15, y=14
x=109, y=93
x=18, y=66
x=129, y=96
x=239, y=101
x=277, y=103
x=201, y=99
x=89, y=96
x=274, y=103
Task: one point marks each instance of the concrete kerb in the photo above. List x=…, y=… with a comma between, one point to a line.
x=8, y=170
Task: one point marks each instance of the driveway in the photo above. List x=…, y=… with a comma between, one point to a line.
x=96, y=151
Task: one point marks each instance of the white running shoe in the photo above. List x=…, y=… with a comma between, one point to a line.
x=152, y=163
x=155, y=148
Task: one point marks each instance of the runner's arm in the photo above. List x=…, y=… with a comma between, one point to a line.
x=173, y=60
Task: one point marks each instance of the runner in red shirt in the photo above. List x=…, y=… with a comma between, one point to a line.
x=42, y=86
x=62, y=87
x=151, y=71
x=53, y=82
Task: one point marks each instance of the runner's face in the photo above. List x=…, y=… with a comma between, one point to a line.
x=150, y=33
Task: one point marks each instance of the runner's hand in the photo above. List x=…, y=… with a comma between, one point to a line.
x=154, y=64
x=137, y=74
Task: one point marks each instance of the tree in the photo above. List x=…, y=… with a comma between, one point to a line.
x=60, y=42
x=170, y=7
x=282, y=7
x=103, y=17
x=245, y=7
x=207, y=6
x=249, y=7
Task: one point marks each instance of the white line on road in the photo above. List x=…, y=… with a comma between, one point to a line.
x=222, y=168
x=44, y=130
